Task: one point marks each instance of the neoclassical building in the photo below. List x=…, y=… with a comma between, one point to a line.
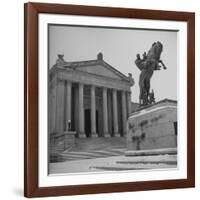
x=93, y=96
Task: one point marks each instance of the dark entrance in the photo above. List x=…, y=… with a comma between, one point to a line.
x=175, y=128
x=97, y=120
x=88, y=122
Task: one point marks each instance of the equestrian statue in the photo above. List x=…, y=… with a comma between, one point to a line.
x=147, y=65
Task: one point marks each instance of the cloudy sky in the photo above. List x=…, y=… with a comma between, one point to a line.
x=119, y=48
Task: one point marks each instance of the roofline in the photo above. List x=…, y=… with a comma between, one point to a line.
x=115, y=70
x=75, y=64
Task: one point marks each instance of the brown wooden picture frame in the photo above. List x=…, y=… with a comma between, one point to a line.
x=31, y=86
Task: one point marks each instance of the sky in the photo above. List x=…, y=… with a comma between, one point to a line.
x=119, y=47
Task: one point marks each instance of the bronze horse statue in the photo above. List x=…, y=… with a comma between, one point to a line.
x=150, y=62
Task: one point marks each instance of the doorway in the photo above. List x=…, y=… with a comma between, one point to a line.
x=88, y=122
x=175, y=128
x=97, y=120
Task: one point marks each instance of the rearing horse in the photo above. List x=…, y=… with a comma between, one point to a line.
x=147, y=65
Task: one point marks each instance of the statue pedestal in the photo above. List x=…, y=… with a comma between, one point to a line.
x=153, y=127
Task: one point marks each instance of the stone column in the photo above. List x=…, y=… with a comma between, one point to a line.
x=60, y=98
x=124, y=112
x=81, y=112
x=129, y=103
x=115, y=113
x=76, y=109
x=93, y=111
x=68, y=103
x=105, y=112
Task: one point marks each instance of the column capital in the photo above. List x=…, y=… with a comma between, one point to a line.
x=105, y=89
x=114, y=90
x=123, y=92
x=80, y=83
x=59, y=80
x=69, y=82
x=93, y=86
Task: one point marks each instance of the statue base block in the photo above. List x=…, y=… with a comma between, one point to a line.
x=153, y=127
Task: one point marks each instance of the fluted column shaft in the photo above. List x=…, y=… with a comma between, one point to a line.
x=115, y=112
x=105, y=112
x=60, y=106
x=129, y=103
x=68, y=103
x=81, y=111
x=124, y=112
x=93, y=111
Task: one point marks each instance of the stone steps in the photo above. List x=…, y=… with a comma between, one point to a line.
x=77, y=155
x=88, y=148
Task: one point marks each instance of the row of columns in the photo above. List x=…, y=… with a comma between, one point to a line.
x=81, y=128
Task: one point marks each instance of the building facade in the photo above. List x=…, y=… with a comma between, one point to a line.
x=92, y=96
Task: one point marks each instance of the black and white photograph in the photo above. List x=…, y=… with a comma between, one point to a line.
x=112, y=99
x=109, y=99
x=100, y=100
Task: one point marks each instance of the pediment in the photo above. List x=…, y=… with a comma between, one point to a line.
x=102, y=70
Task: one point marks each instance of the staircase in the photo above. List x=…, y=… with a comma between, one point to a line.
x=89, y=148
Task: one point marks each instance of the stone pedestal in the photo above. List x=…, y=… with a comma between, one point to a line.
x=69, y=139
x=153, y=127
x=61, y=142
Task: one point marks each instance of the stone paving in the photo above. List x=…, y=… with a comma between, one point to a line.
x=115, y=163
x=105, y=154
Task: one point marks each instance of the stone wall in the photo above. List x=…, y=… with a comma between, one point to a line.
x=61, y=142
